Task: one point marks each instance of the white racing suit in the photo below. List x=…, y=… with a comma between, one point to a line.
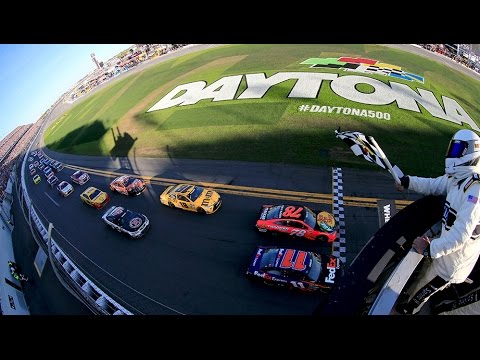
x=455, y=252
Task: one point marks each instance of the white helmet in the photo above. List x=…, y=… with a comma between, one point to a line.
x=463, y=153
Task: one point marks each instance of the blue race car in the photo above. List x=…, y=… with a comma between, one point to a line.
x=302, y=270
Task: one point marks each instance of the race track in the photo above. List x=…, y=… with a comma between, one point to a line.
x=190, y=263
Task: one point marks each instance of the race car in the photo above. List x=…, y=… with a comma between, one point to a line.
x=65, y=188
x=94, y=197
x=52, y=180
x=295, y=269
x=37, y=179
x=129, y=222
x=191, y=198
x=33, y=172
x=128, y=185
x=49, y=173
x=297, y=220
x=80, y=177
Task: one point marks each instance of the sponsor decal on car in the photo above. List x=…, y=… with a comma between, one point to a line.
x=332, y=268
x=277, y=227
x=206, y=199
x=135, y=222
x=326, y=221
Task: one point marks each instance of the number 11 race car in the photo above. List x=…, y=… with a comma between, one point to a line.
x=295, y=269
x=296, y=220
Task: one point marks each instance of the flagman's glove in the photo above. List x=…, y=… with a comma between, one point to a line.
x=404, y=182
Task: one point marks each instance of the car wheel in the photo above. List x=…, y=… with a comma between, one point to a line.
x=322, y=238
x=262, y=230
x=171, y=205
x=201, y=210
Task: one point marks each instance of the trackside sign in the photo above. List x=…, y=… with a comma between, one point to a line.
x=308, y=85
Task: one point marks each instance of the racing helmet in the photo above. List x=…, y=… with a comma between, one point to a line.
x=463, y=151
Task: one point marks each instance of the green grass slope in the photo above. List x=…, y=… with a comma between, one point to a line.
x=114, y=122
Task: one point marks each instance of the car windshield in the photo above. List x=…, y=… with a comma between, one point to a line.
x=128, y=181
x=197, y=191
x=63, y=185
x=310, y=217
x=268, y=258
x=95, y=194
x=274, y=212
x=316, y=268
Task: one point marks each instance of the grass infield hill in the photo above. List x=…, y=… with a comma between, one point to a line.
x=114, y=121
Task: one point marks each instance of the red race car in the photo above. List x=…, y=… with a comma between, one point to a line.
x=128, y=185
x=297, y=220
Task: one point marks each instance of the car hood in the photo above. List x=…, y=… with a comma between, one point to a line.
x=133, y=221
x=208, y=198
x=67, y=188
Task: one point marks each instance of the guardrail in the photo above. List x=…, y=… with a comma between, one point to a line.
x=71, y=277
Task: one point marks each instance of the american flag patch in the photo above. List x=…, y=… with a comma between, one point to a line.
x=472, y=199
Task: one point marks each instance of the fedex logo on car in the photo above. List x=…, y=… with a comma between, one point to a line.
x=332, y=268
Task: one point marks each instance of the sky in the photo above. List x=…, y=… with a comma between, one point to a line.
x=34, y=76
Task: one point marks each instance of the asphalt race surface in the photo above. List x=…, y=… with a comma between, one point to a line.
x=195, y=264
x=190, y=263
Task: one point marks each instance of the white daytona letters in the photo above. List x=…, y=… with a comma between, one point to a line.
x=308, y=86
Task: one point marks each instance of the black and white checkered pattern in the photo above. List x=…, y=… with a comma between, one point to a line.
x=361, y=146
x=339, y=245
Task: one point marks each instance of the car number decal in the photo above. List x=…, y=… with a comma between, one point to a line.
x=297, y=264
x=292, y=212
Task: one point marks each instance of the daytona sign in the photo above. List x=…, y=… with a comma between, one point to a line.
x=308, y=86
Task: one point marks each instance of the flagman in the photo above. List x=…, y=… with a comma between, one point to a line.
x=450, y=257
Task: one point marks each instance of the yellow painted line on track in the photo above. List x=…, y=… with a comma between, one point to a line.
x=253, y=191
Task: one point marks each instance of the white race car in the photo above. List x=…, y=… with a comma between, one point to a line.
x=65, y=188
x=129, y=222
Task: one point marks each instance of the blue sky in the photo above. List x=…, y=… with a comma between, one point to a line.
x=34, y=76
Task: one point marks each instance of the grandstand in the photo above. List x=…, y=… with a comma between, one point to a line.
x=10, y=147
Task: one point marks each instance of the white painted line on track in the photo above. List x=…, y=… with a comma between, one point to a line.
x=51, y=199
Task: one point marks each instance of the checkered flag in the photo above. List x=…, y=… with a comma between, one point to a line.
x=367, y=147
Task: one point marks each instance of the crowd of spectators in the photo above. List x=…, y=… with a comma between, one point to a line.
x=11, y=147
x=463, y=55
x=126, y=61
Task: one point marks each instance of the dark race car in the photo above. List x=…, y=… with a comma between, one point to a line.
x=302, y=270
x=296, y=220
x=128, y=185
x=80, y=177
x=129, y=222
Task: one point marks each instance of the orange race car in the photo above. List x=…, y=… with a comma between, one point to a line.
x=128, y=185
x=297, y=220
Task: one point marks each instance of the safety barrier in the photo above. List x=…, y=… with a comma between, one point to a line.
x=67, y=272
